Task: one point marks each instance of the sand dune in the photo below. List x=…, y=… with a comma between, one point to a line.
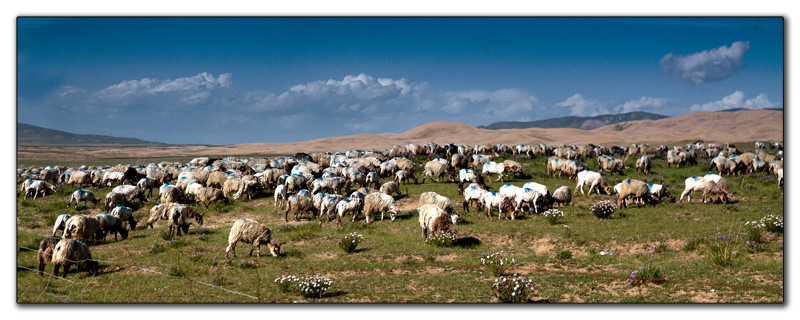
x=750, y=125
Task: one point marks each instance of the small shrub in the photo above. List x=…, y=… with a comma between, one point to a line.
x=441, y=239
x=692, y=244
x=754, y=247
x=246, y=264
x=512, y=289
x=203, y=237
x=497, y=262
x=660, y=248
x=772, y=223
x=721, y=251
x=553, y=216
x=350, y=241
x=603, y=209
x=645, y=274
x=429, y=258
x=564, y=255
x=313, y=287
x=176, y=243
x=175, y=272
x=157, y=248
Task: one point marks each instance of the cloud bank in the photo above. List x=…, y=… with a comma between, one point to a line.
x=708, y=65
x=736, y=100
x=586, y=107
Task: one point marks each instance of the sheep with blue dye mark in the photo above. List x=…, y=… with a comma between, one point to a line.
x=299, y=203
x=178, y=218
x=390, y=188
x=60, y=224
x=545, y=200
x=125, y=215
x=110, y=223
x=594, y=180
x=130, y=192
x=147, y=184
x=38, y=186
x=348, y=206
x=473, y=196
x=328, y=206
x=171, y=193
x=436, y=168
x=373, y=179
x=644, y=164
x=251, y=231
x=70, y=252
x=80, y=177
x=207, y=195
x=82, y=195
x=493, y=167
x=330, y=184
x=635, y=189
x=493, y=199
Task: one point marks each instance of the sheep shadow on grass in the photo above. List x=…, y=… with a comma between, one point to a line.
x=467, y=242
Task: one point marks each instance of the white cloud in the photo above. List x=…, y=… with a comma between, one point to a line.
x=126, y=91
x=494, y=104
x=707, y=65
x=643, y=102
x=583, y=107
x=734, y=101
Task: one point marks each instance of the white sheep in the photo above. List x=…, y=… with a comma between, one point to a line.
x=502, y=202
x=379, y=202
x=405, y=175
x=207, y=195
x=110, y=177
x=643, y=164
x=251, y=231
x=432, y=218
x=441, y=201
x=280, y=195
x=780, y=177
x=328, y=206
x=298, y=203
x=82, y=227
x=544, y=201
x=60, y=223
x=147, y=184
x=347, y=206
x=170, y=194
x=38, y=186
x=437, y=168
x=632, y=188
x=521, y=196
x=469, y=176
x=82, y=195
x=130, y=192
x=329, y=184
x=594, y=179
x=373, y=179
x=390, y=188
x=562, y=195
x=124, y=214
x=473, y=195
x=493, y=167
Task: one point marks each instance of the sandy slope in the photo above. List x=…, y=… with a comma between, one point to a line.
x=751, y=125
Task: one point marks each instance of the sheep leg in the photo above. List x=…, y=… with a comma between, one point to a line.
x=66, y=270
x=231, y=247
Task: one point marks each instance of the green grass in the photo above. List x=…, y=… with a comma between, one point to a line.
x=393, y=263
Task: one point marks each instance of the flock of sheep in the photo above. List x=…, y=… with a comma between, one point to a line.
x=317, y=185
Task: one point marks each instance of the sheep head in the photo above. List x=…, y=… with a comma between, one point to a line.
x=275, y=248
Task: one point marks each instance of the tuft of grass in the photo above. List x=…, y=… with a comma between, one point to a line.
x=722, y=250
x=692, y=244
x=564, y=255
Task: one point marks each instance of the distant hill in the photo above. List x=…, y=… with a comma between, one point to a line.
x=740, y=109
x=585, y=123
x=33, y=135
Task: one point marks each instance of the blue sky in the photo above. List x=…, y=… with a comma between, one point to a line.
x=243, y=80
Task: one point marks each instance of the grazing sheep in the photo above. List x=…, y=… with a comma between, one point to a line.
x=594, y=179
x=171, y=194
x=82, y=227
x=38, y=186
x=644, y=164
x=390, y=188
x=238, y=187
x=330, y=184
x=328, y=206
x=459, y=161
x=250, y=231
x=513, y=167
x=610, y=164
x=130, y=192
x=125, y=215
x=178, y=216
x=60, y=224
x=405, y=175
x=112, y=177
x=70, y=251
x=109, y=223
x=719, y=162
x=388, y=169
x=717, y=190
x=159, y=212
x=147, y=184
x=658, y=192
x=435, y=168
x=379, y=202
x=114, y=199
x=632, y=188
x=46, y=249
x=373, y=179
x=207, y=195
x=469, y=175
x=493, y=167
x=479, y=159
x=780, y=177
x=216, y=179
x=348, y=206
x=432, y=218
x=295, y=182
x=473, y=196
x=280, y=195
x=545, y=200
x=299, y=203
x=82, y=195
x=562, y=195
x=556, y=165
x=502, y=202
x=79, y=177
x=441, y=201
x=758, y=165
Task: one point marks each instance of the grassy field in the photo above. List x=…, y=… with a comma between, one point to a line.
x=568, y=262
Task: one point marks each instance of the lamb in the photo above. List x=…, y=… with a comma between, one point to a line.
x=562, y=195
x=82, y=227
x=432, y=218
x=644, y=164
x=61, y=222
x=347, y=206
x=46, y=249
x=632, y=188
x=68, y=252
x=473, y=196
x=280, y=195
x=441, y=201
x=82, y=195
x=493, y=167
x=379, y=202
x=594, y=179
x=502, y=202
x=437, y=169
x=109, y=223
x=297, y=203
x=390, y=188
x=207, y=195
x=251, y=231
x=125, y=215
x=405, y=175
x=147, y=184
x=658, y=192
x=718, y=189
x=238, y=186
